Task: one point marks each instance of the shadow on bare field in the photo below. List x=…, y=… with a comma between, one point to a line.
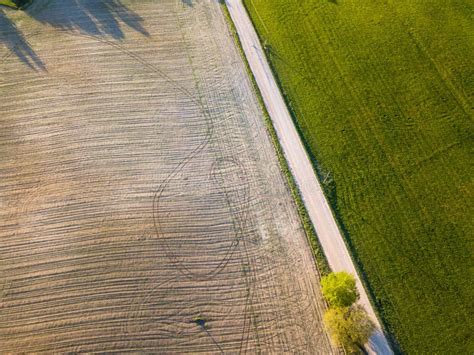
x=190, y=3
x=16, y=44
x=97, y=18
x=106, y=18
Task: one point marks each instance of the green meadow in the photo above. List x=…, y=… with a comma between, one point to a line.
x=381, y=92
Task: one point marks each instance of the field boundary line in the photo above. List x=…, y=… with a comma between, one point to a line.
x=312, y=194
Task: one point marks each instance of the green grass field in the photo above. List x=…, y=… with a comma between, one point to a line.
x=382, y=94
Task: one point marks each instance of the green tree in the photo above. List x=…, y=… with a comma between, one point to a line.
x=339, y=289
x=17, y=4
x=349, y=327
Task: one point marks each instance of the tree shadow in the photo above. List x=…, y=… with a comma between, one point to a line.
x=12, y=38
x=190, y=3
x=105, y=18
x=97, y=18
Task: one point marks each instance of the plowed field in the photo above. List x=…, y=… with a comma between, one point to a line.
x=142, y=204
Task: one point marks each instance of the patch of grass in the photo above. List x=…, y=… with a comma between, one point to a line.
x=381, y=92
x=319, y=257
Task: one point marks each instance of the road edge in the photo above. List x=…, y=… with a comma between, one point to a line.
x=379, y=343
x=320, y=259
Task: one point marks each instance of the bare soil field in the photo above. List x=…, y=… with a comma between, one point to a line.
x=142, y=207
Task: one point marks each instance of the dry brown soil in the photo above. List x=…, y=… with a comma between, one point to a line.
x=142, y=207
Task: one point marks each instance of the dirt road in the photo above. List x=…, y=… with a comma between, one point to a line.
x=142, y=207
x=300, y=165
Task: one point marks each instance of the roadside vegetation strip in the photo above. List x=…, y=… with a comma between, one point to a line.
x=319, y=257
x=382, y=95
